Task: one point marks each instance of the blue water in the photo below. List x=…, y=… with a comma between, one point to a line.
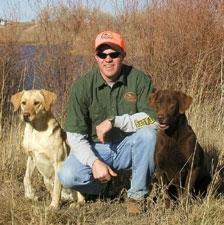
x=26, y=62
x=32, y=63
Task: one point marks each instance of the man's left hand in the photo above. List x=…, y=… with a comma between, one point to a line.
x=102, y=129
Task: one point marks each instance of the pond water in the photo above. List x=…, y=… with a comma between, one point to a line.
x=32, y=61
x=26, y=62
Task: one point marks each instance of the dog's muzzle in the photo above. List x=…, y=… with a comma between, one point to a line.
x=26, y=116
x=162, y=122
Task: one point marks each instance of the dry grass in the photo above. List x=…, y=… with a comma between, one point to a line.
x=178, y=42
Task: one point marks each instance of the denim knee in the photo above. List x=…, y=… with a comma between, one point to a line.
x=146, y=134
x=73, y=174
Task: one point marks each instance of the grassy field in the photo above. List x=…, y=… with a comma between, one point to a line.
x=180, y=43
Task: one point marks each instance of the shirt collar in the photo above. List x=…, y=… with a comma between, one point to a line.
x=100, y=82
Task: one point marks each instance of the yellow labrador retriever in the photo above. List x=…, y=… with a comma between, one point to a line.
x=44, y=141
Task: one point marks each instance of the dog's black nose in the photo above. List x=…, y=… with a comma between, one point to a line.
x=160, y=117
x=26, y=115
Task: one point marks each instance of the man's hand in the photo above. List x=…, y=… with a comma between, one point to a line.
x=102, y=129
x=102, y=171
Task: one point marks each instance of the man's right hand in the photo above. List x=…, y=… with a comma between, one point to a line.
x=102, y=129
x=102, y=171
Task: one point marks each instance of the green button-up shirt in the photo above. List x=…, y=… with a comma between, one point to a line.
x=92, y=101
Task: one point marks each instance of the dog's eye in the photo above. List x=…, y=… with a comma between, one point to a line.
x=23, y=103
x=173, y=107
x=36, y=103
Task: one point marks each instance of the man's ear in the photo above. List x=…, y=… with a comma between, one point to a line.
x=124, y=54
x=49, y=99
x=184, y=101
x=16, y=99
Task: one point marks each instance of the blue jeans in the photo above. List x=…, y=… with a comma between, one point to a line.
x=135, y=152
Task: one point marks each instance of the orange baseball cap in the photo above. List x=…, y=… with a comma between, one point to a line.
x=109, y=37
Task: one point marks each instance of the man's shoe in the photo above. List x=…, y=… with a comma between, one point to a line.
x=135, y=207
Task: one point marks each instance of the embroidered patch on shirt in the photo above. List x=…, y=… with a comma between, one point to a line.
x=143, y=122
x=130, y=97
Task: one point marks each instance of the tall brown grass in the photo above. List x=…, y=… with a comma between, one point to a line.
x=179, y=43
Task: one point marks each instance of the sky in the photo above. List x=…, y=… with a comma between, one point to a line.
x=26, y=10
x=16, y=9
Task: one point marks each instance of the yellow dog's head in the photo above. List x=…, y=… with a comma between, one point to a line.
x=33, y=103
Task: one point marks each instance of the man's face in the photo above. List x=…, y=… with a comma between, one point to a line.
x=109, y=61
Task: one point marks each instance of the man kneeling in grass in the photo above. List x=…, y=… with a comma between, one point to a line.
x=110, y=126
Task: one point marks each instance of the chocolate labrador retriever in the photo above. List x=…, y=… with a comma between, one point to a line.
x=178, y=156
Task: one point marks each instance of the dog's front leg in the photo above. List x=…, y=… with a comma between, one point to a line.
x=29, y=192
x=56, y=194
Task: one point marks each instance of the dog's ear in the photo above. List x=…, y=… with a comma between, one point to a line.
x=49, y=99
x=184, y=101
x=15, y=100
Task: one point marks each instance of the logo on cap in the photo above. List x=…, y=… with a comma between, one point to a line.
x=107, y=36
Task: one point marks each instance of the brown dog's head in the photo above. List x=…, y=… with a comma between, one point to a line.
x=33, y=103
x=168, y=106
